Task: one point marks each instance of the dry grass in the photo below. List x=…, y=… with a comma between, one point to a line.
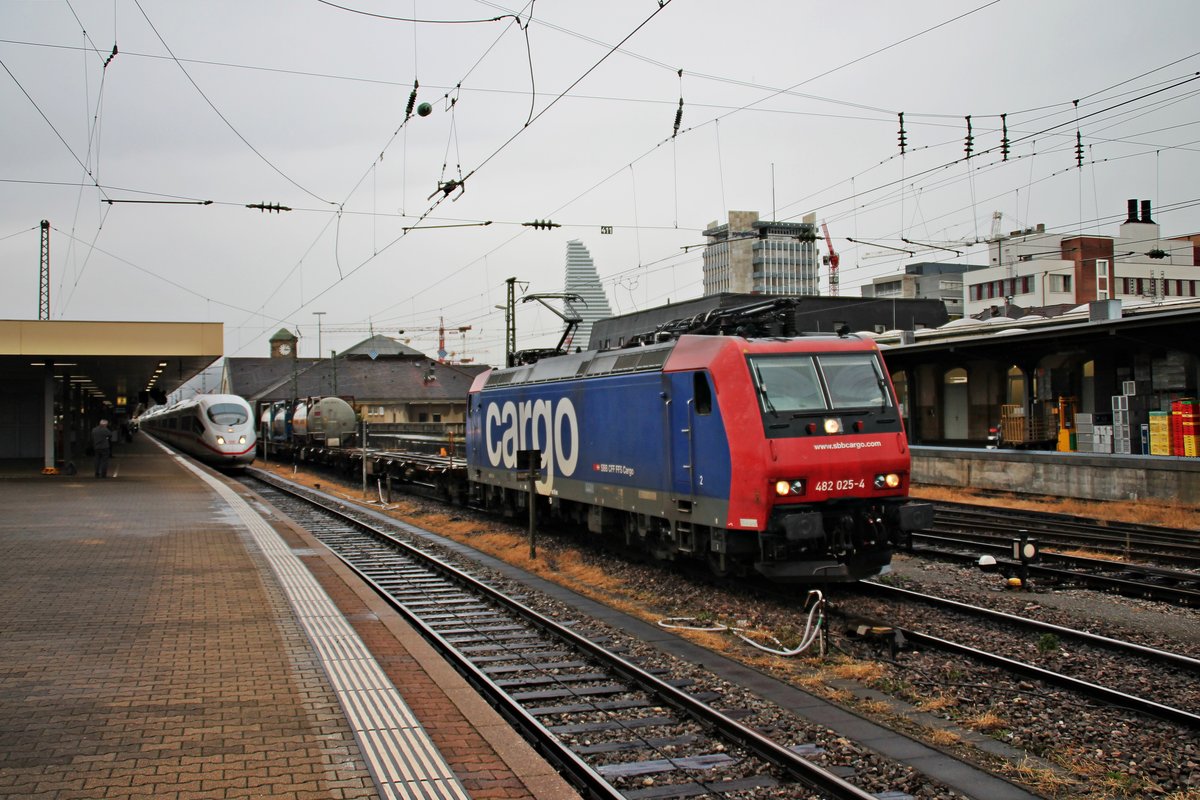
x=1044, y=780
x=1083, y=552
x=939, y=703
x=1103, y=781
x=1142, y=512
x=942, y=738
x=879, y=708
x=861, y=671
x=987, y=722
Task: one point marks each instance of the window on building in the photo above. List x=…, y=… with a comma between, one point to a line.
x=1060, y=283
x=1101, y=278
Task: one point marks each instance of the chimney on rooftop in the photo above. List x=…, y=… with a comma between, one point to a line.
x=1146, y=213
x=1133, y=212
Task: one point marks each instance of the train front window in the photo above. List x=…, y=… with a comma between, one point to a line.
x=854, y=381
x=815, y=384
x=227, y=414
x=788, y=384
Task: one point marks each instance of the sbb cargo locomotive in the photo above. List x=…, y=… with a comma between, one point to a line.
x=781, y=457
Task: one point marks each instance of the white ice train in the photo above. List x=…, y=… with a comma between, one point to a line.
x=217, y=429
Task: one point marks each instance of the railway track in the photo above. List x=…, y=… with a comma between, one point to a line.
x=1152, y=544
x=619, y=730
x=963, y=534
x=1109, y=671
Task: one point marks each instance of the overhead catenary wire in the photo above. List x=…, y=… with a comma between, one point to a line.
x=220, y=115
x=860, y=187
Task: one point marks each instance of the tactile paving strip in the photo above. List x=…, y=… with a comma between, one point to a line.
x=403, y=760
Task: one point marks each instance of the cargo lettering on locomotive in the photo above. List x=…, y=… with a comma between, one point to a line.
x=549, y=426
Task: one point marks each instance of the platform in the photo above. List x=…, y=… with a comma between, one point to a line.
x=163, y=635
x=1084, y=476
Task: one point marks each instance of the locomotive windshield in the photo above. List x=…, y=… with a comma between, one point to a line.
x=227, y=414
x=808, y=384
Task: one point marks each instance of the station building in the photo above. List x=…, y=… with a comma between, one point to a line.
x=389, y=384
x=1089, y=380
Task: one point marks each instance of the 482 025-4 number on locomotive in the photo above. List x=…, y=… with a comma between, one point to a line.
x=780, y=457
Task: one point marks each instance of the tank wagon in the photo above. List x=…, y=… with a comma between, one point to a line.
x=784, y=457
x=326, y=422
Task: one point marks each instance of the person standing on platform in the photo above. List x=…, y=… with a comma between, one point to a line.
x=102, y=439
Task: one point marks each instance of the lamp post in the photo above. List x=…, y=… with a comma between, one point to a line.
x=318, y=315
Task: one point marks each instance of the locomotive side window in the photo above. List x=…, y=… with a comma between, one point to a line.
x=227, y=414
x=702, y=393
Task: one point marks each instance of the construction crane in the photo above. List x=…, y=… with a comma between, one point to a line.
x=831, y=261
x=440, y=328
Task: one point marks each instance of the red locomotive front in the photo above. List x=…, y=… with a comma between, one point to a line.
x=819, y=455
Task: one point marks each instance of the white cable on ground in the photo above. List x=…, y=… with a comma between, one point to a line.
x=812, y=629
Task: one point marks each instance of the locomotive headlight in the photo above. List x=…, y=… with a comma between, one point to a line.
x=242, y=440
x=888, y=481
x=833, y=425
x=220, y=440
x=789, y=488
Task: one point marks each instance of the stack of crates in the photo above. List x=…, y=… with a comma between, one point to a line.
x=1183, y=427
x=1122, y=438
x=1160, y=433
x=1091, y=437
x=1085, y=441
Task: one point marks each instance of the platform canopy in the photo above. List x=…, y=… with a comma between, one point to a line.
x=114, y=361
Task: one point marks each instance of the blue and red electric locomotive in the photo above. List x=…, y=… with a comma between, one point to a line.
x=784, y=457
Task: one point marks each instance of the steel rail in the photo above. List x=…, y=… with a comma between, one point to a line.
x=1165, y=656
x=1179, y=595
x=1107, y=695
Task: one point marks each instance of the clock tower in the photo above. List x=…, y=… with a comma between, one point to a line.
x=283, y=344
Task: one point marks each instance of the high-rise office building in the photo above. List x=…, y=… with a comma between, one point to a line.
x=747, y=255
x=583, y=280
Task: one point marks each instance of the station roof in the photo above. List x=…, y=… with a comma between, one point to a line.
x=1138, y=328
x=119, y=359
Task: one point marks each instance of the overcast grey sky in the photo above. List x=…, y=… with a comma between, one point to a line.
x=551, y=110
